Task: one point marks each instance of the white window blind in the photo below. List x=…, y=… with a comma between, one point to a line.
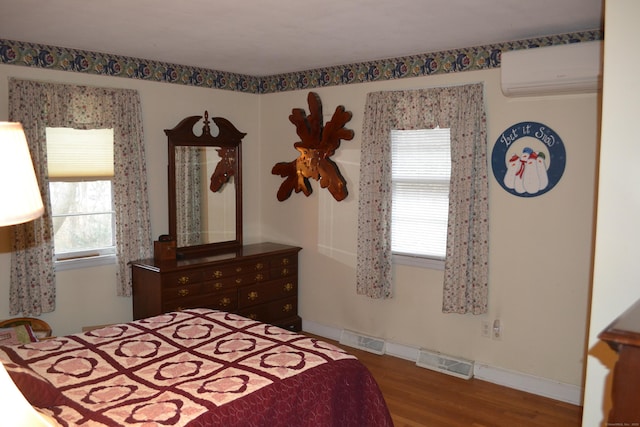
x=76, y=154
x=421, y=171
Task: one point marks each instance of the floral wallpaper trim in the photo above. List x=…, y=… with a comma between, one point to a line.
x=64, y=59
x=467, y=59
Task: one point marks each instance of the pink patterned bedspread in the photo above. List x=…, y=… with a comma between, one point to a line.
x=196, y=367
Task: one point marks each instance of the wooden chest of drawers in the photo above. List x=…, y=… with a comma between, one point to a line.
x=623, y=336
x=257, y=281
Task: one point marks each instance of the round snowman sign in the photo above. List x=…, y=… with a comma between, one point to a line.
x=528, y=159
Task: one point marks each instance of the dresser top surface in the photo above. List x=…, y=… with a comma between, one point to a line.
x=625, y=329
x=245, y=252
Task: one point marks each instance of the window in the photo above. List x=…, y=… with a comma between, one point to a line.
x=80, y=164
x=421, y=171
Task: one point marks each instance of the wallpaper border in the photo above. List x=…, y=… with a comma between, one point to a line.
x=449, y=61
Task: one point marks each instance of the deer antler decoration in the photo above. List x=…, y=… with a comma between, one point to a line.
x=317, y=145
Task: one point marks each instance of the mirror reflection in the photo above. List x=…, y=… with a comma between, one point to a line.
x=202, y=215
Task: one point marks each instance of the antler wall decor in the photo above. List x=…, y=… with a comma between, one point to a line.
x=318, y=143
x=225, y=168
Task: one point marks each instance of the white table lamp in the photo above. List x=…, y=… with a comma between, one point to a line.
x=20, y=199
x=16, y=410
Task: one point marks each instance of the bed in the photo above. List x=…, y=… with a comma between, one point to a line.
x=195, y=367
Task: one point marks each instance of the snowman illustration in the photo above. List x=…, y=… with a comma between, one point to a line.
x=513, y=165
x=526, y=173
x=528, y=159
x=541, y=167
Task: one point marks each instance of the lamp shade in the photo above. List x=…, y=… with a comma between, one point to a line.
x=16, y=410
x=20, y=199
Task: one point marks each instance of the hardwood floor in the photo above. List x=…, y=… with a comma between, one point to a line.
x=420, y=397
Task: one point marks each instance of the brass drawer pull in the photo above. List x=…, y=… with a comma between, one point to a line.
x=285, y=261
x=288, y=287
x=253, y=295
x=238, y=269
x=217, y=274
x=183, y=292
x=218, y=286
x=259, y=277
x=183, y=280
x=259, y=266
x=285, y=272
x=238, y=280
x=287, y=308
x=225, y=301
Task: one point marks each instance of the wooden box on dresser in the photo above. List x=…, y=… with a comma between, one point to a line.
x=259, y=281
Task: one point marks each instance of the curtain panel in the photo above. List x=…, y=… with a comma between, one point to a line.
x=38, y=105
x=460, y=108
x=189, y=198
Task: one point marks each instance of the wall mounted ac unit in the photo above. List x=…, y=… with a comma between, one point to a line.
x=553, y=70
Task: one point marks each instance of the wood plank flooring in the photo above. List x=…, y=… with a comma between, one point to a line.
x=420, y=397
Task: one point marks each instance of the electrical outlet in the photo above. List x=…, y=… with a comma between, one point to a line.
x=485, y=328
x=496, y=331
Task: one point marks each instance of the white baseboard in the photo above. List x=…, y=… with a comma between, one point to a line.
x=524, y=382
x=541, y=386
x=322, y=330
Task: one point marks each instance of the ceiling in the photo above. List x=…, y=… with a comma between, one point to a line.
x=267, y=37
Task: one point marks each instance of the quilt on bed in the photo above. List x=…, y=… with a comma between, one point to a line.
x=196, y=367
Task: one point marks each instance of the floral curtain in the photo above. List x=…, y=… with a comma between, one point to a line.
x=188, y=195
x=460, y=108
x=38, y=105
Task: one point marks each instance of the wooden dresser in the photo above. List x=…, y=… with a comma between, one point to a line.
x=258, y=281
x=623, y=335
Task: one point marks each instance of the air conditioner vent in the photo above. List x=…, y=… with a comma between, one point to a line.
x=363, y=342
x=455, y=366
x=552, y=70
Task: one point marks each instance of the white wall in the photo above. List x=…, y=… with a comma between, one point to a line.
x=540, y=247
x=88, y=297
x=540, y=256
x=616, y=277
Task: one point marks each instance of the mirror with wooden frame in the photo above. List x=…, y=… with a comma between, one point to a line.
x=205, y=186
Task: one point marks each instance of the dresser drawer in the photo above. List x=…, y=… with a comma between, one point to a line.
x=227, y=301
x=293, y=324
x=218, y=285
x=283, y=308
x=264, y=292
x=170, y=293
x=261, y=265
x=284, y=260
x=272, y=311
x=284, y=271
x=187, y=277
x=283, y=266
x=259, y=313
x=247, y=279
x=222, y=271
x=236, y=269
